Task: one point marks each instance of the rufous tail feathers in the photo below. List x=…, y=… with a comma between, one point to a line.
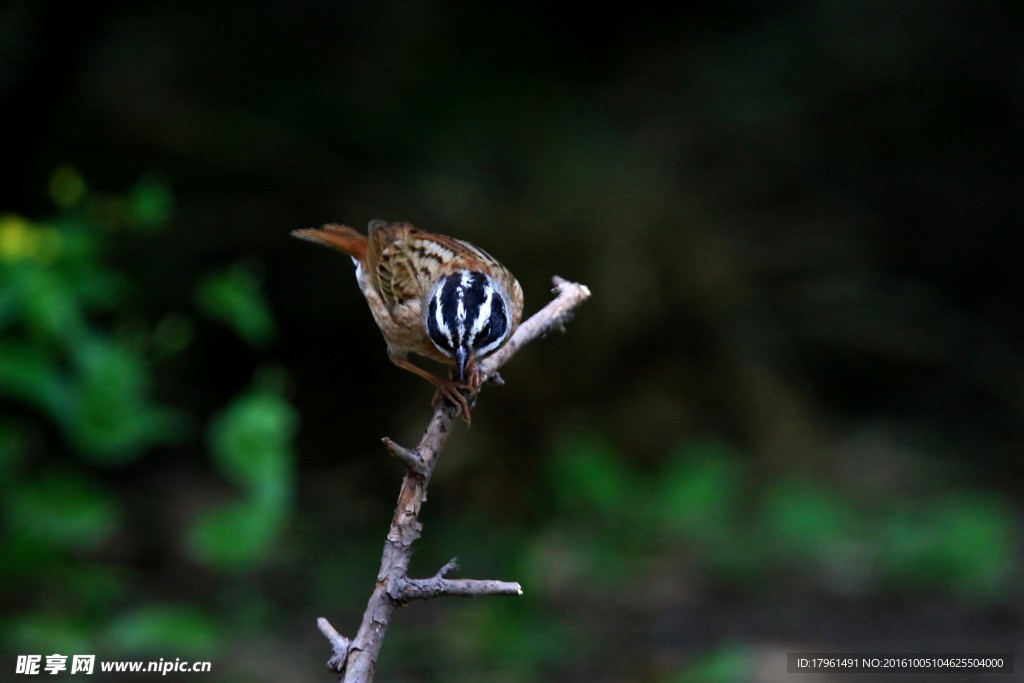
x=340, y=237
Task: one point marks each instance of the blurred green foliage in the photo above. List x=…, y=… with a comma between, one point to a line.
x=91, y=383
x=77, y=375
x=704, y=502
x=148, y=630
x=251, y=443
x=233, y=297
x=61, y=511
x=964, y=541
x=723, y=664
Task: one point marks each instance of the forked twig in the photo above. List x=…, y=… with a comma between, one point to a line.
x=355, y=660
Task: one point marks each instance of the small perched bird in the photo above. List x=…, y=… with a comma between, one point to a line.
x=431, y=295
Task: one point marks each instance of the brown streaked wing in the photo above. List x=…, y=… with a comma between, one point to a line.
x=516, y=293
x=393, y=264
x=479, y=253
x=406, y=261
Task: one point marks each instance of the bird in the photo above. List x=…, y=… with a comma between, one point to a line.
x=431, y=295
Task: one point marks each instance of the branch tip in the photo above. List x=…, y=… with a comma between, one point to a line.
x=411, y=458
x=339, y=645
x=451, y=566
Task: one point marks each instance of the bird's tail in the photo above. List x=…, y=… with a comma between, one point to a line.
x=340, y=237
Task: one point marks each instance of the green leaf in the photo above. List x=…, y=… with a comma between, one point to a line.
x=964, y=542
x=24, y=242
x=805, y=518
x=978, y=550
x=94, y=587
x=50, y=305
x=233, y=297
x=724, y=664
x=113, y=420
x=495, y=632
x=39, y=632
x=700, y=490
x=586, y=472
x=164, y=630
x=30, y=374
x=235, y=535
x=150, y=205
x=63, y=509
x=251, y=442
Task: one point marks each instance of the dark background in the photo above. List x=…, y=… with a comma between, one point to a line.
x=788, y=420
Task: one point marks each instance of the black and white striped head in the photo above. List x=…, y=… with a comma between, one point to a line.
x=467, y=317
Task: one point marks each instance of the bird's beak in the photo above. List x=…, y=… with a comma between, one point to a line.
x=461, y=360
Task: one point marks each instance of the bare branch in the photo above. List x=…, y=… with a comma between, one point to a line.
x=410, y=458
x=450, y=566
x=339, y=644
x=356, y=660
x=424, y=589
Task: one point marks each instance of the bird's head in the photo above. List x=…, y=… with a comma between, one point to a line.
x=467, y=316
